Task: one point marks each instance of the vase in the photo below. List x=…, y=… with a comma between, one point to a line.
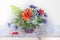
x=26, y=30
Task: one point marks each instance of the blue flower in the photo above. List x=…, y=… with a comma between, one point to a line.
x=45, y=21
x=32, y=6
x=45, y=15
x=16, y=26
x=9, y=24
x=38, y=12
x=31, y=30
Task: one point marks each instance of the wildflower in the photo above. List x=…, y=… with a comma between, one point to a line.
x=41, y=12
x=9, y=24
x=32, y=6
x=26, y=14
x=38, y=12
x=29, y=31
x=15, y=33
x=45, y=21
x=45, y=15
x=16, y=27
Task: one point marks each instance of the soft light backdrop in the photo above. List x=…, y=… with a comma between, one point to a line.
x=52, y=8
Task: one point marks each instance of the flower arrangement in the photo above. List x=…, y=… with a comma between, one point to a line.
x=29, y=18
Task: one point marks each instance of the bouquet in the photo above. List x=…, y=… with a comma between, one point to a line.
x=29, y=19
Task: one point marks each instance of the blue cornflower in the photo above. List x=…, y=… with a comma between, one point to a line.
x=31, y=30
x=32, y=6
x=16, y=26
x=45, y=15
x=38, y=12
x=45, y=21
x=9, y=24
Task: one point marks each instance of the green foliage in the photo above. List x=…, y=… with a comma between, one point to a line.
x=40, y=20
x=16, y=10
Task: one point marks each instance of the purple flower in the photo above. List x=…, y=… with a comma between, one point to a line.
x=45, y=21
x=9, y=24
x=38, y=12
x=32, y=6
x=31, y=30
x=45, y=15
x=16, y=27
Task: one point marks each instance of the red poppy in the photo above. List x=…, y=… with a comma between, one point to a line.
x=42, y=12
x=26, y=14
x=15, y=33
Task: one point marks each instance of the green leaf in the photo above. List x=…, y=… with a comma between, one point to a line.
x=40, y=20
x=16, y=10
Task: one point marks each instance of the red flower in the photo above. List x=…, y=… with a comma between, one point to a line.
x=42, y=12
x=15, y=33
x=26, y=14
